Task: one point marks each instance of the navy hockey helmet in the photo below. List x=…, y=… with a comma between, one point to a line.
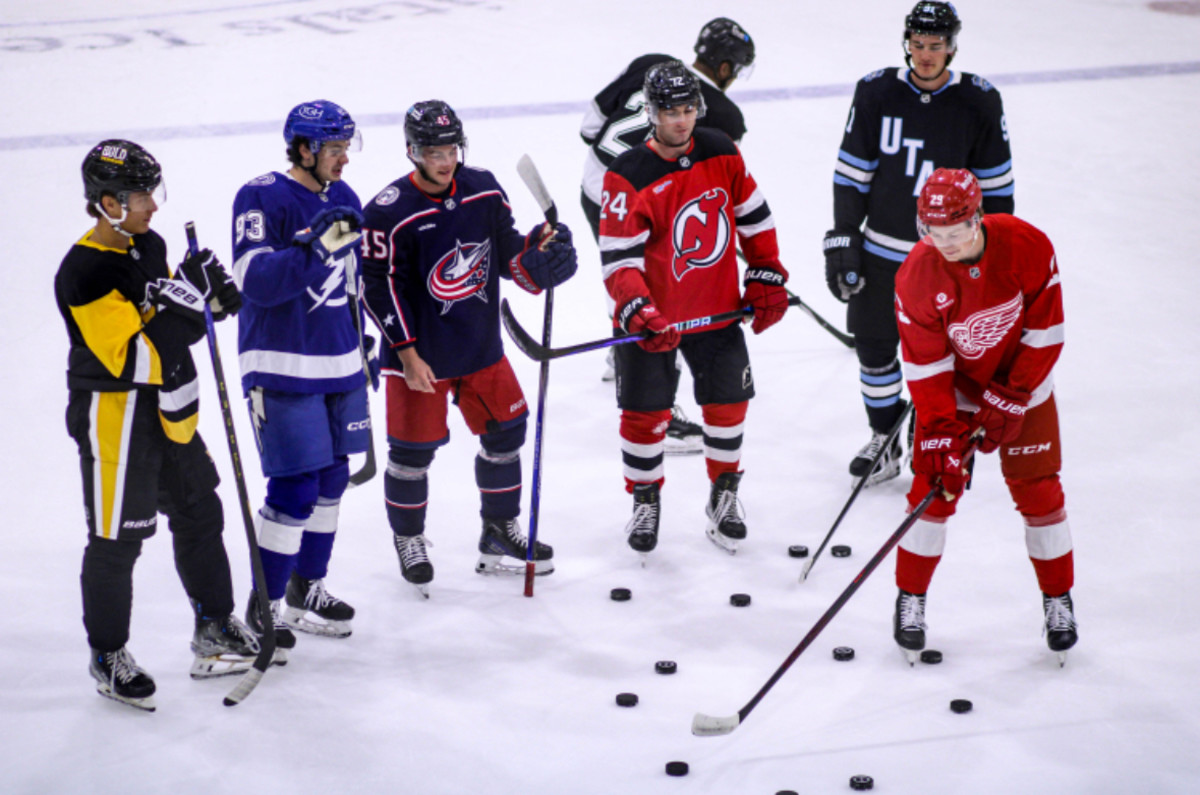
x=319, y=122
x=119, y=168
x=724, y=40
x=433, y=123
x=930, y=18
x=670, y=84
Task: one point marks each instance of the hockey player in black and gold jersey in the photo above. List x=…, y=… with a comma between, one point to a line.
x=132, y=410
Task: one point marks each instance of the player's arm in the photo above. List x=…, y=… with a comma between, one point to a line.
x=765, y=275
x=1042, y=332
x=857, y=162
x=991, y=156
x=386, y=267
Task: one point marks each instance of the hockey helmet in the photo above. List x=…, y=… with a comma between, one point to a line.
x=724, y=40
x=670, y=84
x=433, y=123
x=316, y=123
x=950, y=196
x=933, y=19
x=119, y=168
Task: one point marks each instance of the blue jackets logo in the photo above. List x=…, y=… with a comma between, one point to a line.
x=461, y=273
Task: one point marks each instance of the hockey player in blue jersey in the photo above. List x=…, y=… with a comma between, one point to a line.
x=295, y=238
x=436, y=243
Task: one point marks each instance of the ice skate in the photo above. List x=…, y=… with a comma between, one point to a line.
x=610, y=367
x=888, y=466
x=1060, y=628
x=312, y=609
x=683, y=436
x=223, y=645
x=118, y=677
x=725, y=514
x=503, y=538
x=908, y=624
x=642, y=530
x=414, y=561
x=285, y=640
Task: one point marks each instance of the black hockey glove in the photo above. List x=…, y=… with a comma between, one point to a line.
x=547, y=260
x=843, y=268
x=331, y=232
x=204, y=272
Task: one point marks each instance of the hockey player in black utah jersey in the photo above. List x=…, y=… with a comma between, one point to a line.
x=903, y=124
x=616, y=122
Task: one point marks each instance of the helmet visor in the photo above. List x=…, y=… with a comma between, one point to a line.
x=338, y=148
x=142, y=201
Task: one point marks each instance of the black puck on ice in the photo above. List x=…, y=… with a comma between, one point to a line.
x=840, y=551
x=786, y=792
x=739, y=599
x=677, y=768
x=843, y=653
x=664, y=667
x=620, y=594
x=960, y=705
x=797, y=551
x=931, y=656
x=627, y=699
x=862, y=782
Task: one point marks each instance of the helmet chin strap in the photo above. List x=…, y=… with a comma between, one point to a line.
x=115, y=223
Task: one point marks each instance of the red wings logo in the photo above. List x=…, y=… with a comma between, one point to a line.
x=700, y=233
x=461, y=273
x=984, y=329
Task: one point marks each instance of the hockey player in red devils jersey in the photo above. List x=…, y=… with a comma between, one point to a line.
x=979, y=307
x=670, y=211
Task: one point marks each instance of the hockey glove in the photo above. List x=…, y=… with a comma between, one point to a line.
x=1001, y=417
x=938, y=456
x=208, y=276
x=843, y=266
x=641, y=316
x=766, y=294
x=331, y=232
x=547, y=260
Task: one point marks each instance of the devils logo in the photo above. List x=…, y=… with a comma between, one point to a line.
x=461, y=273
x=700, y=233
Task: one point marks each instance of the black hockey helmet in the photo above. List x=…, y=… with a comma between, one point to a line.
x=724, y=40
x=670, y=84
x=119, y=167
x=433, y=123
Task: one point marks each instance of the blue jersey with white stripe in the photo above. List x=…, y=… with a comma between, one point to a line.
x=897, y=135
x=295, y=331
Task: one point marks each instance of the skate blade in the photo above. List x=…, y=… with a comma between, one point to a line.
x=674, y=446
x=220, y=665
x=422, y=588
x=891, y=473
x=910, y=656
x=144, y=704
x=1062, y=658
x=494, y=565
x=298, y=619
x=724, y=543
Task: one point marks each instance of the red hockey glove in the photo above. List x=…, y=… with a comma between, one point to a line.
x=765, y=293
x=938, y=456
x=641, y=315
x=1001, y=417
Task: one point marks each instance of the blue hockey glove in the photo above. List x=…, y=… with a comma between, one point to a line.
x=547, y=260
x=331, y=232
x=843, y=267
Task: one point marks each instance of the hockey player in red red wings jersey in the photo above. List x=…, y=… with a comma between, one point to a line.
x=979, y=308
x=671, y=209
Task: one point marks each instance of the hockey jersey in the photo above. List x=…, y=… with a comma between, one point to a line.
x=897, y=135
x=432, y=268
x=667, y=231
x=296, y=332
x=964, y=326
x=616, y=120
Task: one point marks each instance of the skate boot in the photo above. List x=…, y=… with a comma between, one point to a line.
x=223, y=645
x=118, y=677
x=1060, y=626
x=610, y=367
x=285, y=640
x=889, y=463
x=414, y=561
x=724, y=511
x=312, y=609
x=683, y=436
x=908, y=623
x=503, y=538
x=643, y=526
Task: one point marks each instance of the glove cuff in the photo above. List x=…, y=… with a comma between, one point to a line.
x=765, y=276
x=522, y=277
x=629, y=310
x=1005, y=400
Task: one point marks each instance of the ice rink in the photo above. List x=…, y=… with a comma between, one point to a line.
x=480, y=690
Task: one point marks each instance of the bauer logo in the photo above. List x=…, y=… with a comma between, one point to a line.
x=701, y=233
x=936, y=444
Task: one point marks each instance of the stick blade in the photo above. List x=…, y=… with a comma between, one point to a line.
x=709, y=726
x=528, y=345
x=244, y=688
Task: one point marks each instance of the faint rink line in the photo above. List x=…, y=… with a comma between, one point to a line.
x=178, y=132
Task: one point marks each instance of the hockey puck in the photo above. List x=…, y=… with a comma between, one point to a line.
x=931, y=656
x=797, y=551
x=787, y=792
x=739, y=599
x=620, y=594
x=627, y=699
x=862, y=782
x=840, y=551
x=960, y=705
x=677, y=768
x=665, y=667
x=843, y=653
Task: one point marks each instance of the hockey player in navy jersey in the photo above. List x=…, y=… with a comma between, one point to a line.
x=904, y=124
x=295, y=238
x=436, y=242
x=616, y=122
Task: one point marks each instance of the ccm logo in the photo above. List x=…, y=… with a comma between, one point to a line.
x=937, y=444
x=516, y=405
x=361, y=425
x=1032, y=449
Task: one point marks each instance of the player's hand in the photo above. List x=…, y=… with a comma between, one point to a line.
x=331, y=232
x=547, y=260
x=938, y=456
x=1001, y=417
x=418, y=375
x=766, y=294
x=641, y=316
x=843, y=263
x=204, y=272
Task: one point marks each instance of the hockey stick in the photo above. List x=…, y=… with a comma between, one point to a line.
x=857, y=488
x=539, y=353
x=368, y=468
x=267, y=647
x=841, y=337
x=710, y=726
x=533, y=181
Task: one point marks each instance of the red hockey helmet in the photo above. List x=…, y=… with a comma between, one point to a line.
x=950, y=196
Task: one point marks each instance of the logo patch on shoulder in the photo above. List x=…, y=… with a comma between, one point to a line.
x=387, y=196
x=265, y=179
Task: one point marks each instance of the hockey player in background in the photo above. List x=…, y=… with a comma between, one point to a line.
x=616, y=122
x=295, y=238
x=979, y=306
x=903, y=124
x=436, y=242
x=671, y=207
x=133, y=410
